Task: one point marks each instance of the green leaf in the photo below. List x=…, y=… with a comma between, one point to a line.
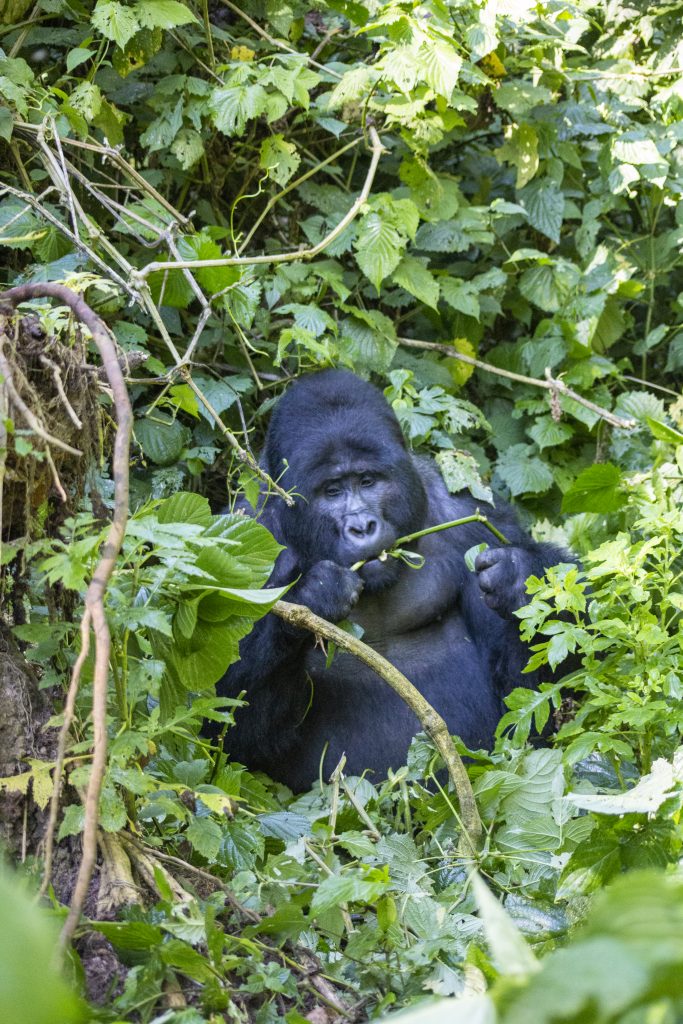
x=284, y=825
x=412, y=274
x=460, y=472
x=351, y=888
x=115, y=21
x=596, y=489
x=511, y=954
x=163, y=13
x=635, y=151
x=87, y=100
x=187, y=147
x=521, y=150
x=234, y=106
x=590, y=866
x=6, y=123
x=544, y=203
x=28, y=940
x=547, y=285
x=279, y=158
x=185, y=507
x=461, y=295
x=440, y=66
x=379, y=247
x=162, y=439
x=663, y=432
x=204, y=835
x=78, y=56
x=547, y=432
x=522, y=472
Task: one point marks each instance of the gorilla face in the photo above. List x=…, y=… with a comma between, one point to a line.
x=358, y=489
x=356, y=501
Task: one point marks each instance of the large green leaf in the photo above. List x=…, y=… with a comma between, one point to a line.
x=523, y=472
x=379, y=247
x=596, y=489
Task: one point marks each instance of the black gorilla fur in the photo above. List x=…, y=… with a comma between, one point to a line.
x=450, y=631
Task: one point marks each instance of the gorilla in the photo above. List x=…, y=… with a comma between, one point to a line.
x=335, y=442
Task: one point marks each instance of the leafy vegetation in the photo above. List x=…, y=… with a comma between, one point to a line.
x=479, y=205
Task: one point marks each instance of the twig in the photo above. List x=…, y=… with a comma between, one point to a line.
x=138, y=276
x=476, y=518
x=277, y=43
x=241, y=453
x=292, y=185
x=246, y=912
x=552, y=384
x=94, y=612
x=55, y=475
x=429, y=719
x=57, y=376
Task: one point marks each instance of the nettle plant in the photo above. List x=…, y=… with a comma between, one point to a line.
x=188, y=587
x=619, y=631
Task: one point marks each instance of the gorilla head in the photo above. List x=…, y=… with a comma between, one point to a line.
x=335, y=441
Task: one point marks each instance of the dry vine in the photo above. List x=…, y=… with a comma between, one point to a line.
x=94, y=613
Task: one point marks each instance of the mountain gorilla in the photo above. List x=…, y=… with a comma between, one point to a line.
x=451, y=632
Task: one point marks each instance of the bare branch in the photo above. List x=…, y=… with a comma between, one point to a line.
x=431, y=721
x=552, y=384
x=285, y=257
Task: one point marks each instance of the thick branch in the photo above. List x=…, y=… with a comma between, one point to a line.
x=552, y=384
x=284, y=257
x=432, y=722
x=94, y=598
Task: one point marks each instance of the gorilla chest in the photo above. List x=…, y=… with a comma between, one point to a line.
x=430, y=655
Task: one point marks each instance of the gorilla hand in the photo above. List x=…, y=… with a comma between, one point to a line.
x=329, y=590
x=502, y=573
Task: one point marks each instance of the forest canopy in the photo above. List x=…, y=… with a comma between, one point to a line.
x=477, y=206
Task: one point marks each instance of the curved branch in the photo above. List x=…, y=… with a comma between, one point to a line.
x=94, y=598
x=377, y=149
x=430, y=720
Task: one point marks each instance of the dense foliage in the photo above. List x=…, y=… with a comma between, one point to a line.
x=522, y=168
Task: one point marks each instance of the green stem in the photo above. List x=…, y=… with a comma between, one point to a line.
x=476, y=518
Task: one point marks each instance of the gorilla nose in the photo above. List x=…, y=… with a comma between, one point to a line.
x=361, y=527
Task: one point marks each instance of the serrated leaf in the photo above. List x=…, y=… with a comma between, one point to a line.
x=521, y=150
x=234, y=106
x=204, y=835
x=412, y=274
x=460, y=471
x=185, y=507
x=546, y=285
x=284, y=825
x=510, y=952
x=522, y=472
x=187, y=147
x=115, y=21
x=162, y=439
x=279, y=158
x=163, y=14
x=379, y=248
x=461, y=295
x=440, y=66
x=636, y=151
x=596, y=489
x=544, y=203
x=547, y=432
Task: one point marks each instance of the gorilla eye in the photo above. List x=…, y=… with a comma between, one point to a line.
x=367, y=480
x=332, y=491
